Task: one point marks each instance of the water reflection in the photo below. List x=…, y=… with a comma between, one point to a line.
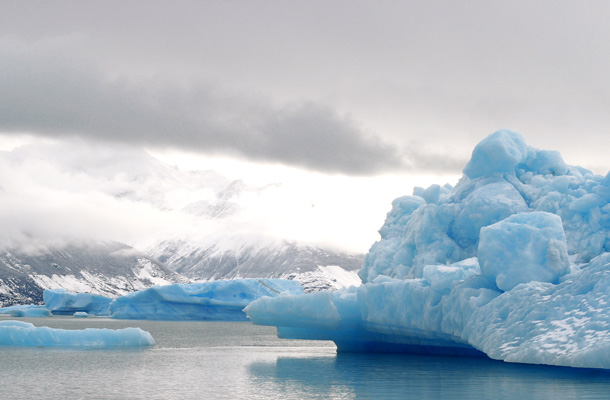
x=375, y=376
x=209, y=360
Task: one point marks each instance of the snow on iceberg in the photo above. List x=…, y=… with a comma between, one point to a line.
x=513, y=263
x=61, y=302
x=17, y=333
x=214, y=300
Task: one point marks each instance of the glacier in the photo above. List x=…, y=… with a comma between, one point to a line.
x=512, y=263
x=215, y=300
x=18, y=333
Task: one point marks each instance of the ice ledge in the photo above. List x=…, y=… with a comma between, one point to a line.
x=565, y=324
x=375, y=342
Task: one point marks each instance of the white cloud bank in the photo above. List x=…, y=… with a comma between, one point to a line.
x=60, y=191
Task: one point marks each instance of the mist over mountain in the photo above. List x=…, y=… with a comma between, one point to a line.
x=112, y=219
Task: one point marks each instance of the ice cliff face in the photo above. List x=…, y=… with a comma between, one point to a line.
x=512, y=262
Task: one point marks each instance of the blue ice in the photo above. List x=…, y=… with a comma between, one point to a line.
x=214, y=300
x=28, y=311
x=18, y=333
x=62, y=302
x=511, y=263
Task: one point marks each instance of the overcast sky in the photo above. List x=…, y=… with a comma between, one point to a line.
x=353, y=89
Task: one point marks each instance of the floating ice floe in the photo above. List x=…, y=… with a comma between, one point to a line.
x=18, y=333
x=511, y=263
x=214, y=300
x=28, y=311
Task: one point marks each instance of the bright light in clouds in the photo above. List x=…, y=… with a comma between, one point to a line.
x=10, y=142
x=329, y=210
x=326, y=110
x=61, y=191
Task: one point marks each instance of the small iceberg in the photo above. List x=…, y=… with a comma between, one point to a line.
x=18, y=333
x=25, y=311
x=81, y=314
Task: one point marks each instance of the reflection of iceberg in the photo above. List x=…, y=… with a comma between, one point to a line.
x=17, y=333
x=383, y=376
x=215, y=300
x=511, y=262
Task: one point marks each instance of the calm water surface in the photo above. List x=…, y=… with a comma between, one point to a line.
x=237, y=360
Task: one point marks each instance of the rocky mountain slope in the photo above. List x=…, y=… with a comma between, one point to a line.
x=114, y=269
x=315, y=268
x=109, y=269
x=189, y=225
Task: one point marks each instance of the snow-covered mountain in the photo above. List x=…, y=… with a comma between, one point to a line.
x=108, y=269
x=187, y=225
x=315, y=268
x=113, y=269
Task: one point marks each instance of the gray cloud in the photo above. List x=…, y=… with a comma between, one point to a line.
x=435, y=162
x=50, y=88
x=441, y=75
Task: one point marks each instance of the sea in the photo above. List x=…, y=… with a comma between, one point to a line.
x=239, y=360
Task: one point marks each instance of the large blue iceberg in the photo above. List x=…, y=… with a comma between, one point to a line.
x=214, y=300
x=17, y=333
x=513, y=263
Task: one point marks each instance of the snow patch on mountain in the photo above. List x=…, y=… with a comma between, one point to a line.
x=316, y=268
x=145, y=276
x=57, y=196
x=108, y=269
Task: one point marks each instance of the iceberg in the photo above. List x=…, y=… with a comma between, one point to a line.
x=215, y=300
x=81, y=314
x=18, y=333
x=512, y=263
x=28, y=311
x=62, y=302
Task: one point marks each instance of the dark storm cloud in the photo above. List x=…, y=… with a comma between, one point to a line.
x=50, y=88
